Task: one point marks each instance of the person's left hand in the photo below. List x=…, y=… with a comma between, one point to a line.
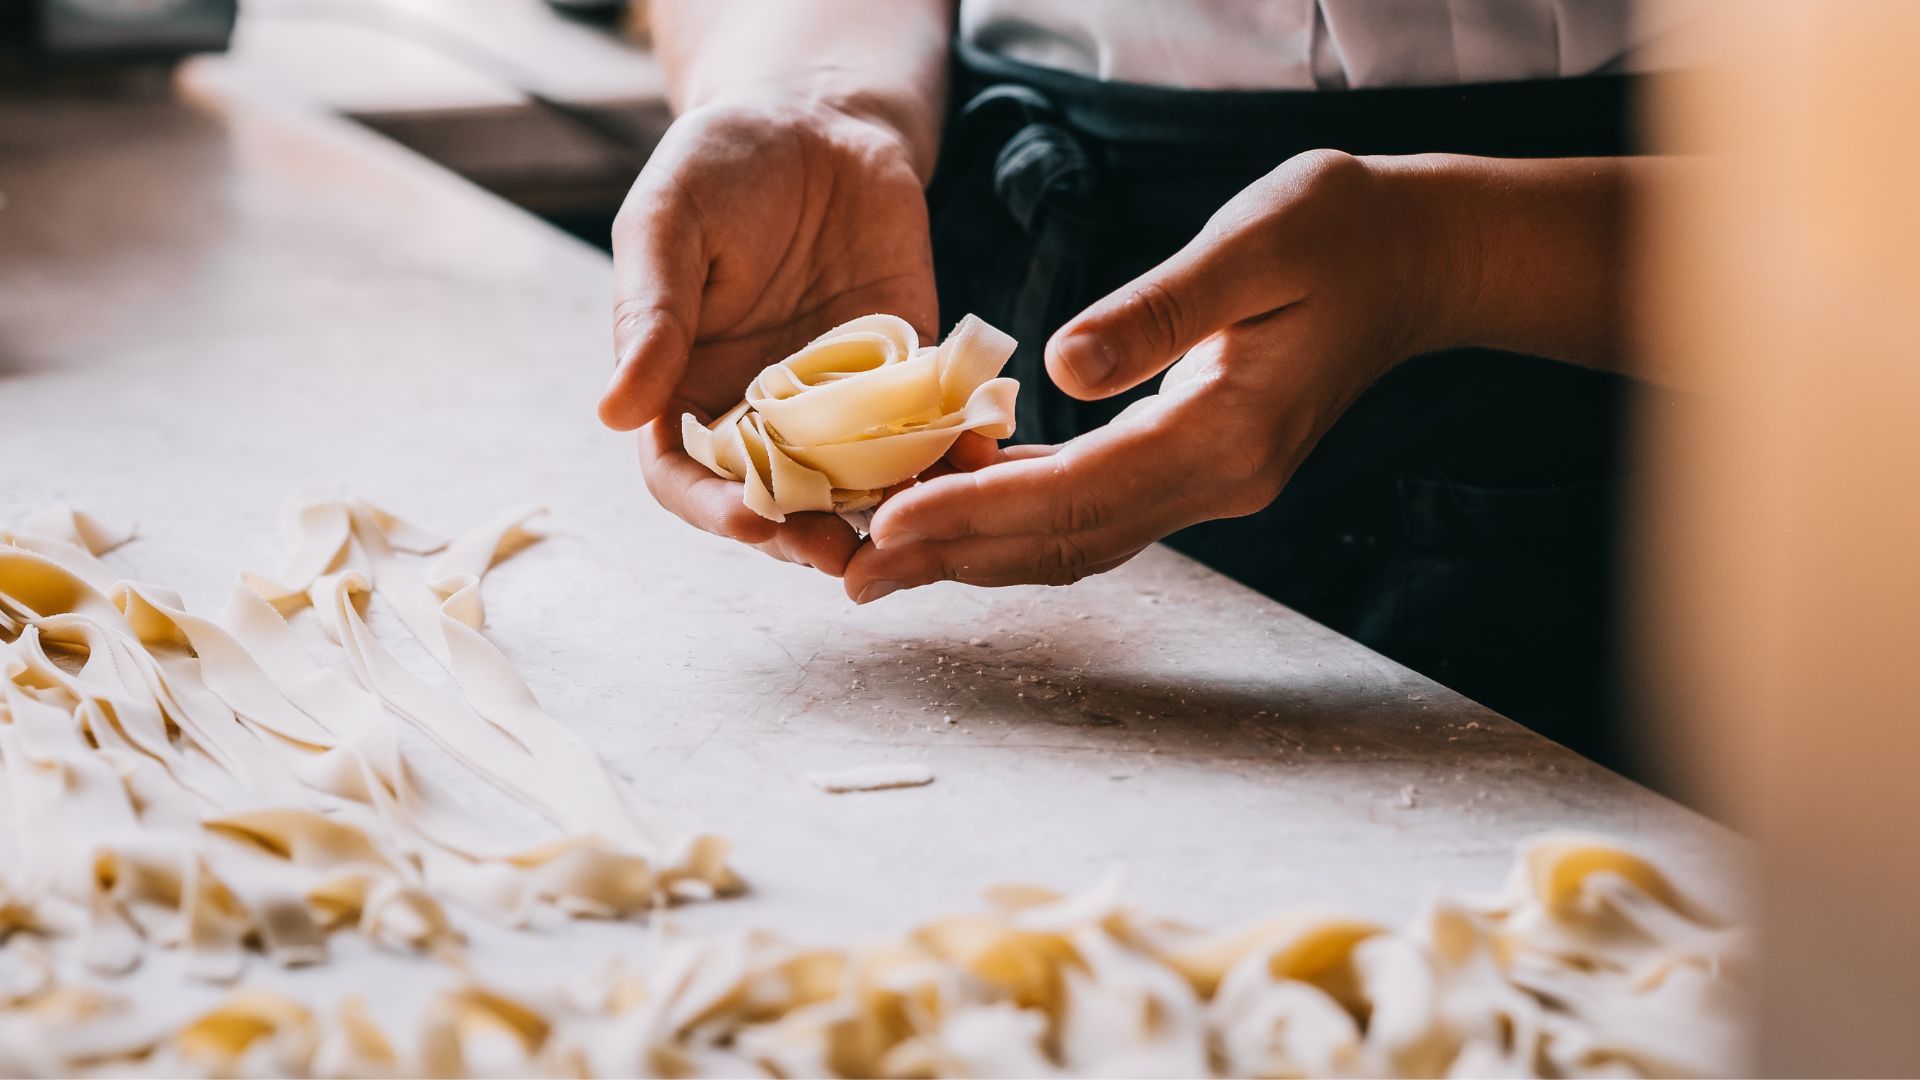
x=1297, y=295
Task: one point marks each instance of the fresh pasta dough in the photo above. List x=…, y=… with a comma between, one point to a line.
x=206, y=784
x=169, y=780
x=1589, y=963
x=861, y=408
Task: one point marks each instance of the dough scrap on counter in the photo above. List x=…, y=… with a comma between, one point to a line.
x=861, y=408
x=206, y=784
x=872, y=778
x=1588, y=963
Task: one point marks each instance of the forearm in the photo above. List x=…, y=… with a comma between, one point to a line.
x=884, y=61
x=1535, y=252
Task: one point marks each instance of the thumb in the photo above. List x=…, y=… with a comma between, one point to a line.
x=1138, y=330
x=659, y=269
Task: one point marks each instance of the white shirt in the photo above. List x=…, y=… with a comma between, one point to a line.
x=1337, y=44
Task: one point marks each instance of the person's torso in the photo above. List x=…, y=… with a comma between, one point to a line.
x=1336, y=44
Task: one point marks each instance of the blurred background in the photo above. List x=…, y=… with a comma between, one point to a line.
x=550, y=104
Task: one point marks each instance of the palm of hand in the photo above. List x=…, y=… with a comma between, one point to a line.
x=793, y=227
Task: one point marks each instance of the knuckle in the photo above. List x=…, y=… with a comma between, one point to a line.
x=654, y=192
x=1243, y=463
x=1263, y=219
x=1244, y=502
x=1062, y=559
x=1164, y=318
x=1253, y=481
x=1325, y=166
x=1079, y=573
x=1072, y=509
x=781, y=548
x=943, y=566
x=661, y=201
x=1075, y=513
x=1330, y=178
x=744, y=525
x=636, y=316
x=1083, y=514
x=630, y=312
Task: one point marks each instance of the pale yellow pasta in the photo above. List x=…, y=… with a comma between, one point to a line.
x=1588, y=964
x=861, y=408
x=175, y=781
x=205, y=784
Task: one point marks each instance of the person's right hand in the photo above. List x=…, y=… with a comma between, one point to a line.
x=753, y=228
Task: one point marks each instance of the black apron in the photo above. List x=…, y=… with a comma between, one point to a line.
x=1460, y=518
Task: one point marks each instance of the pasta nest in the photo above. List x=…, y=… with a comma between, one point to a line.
x=860, y=409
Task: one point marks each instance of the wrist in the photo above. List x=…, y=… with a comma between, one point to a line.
x=1522, y=255
x=900, y=121
x=1439, y=249
x=884, y=63
x=904, y=119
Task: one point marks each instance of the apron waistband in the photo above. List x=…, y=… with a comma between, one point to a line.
x=1574, y=117
x=1095, y=153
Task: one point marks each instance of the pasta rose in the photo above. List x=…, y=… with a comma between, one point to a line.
x=861, y=408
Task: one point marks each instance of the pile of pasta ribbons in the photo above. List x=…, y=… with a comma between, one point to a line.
x=207, y=784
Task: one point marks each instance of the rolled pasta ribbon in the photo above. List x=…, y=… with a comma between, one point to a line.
x=861, y=408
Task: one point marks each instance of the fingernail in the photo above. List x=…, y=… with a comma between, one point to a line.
x=1090, y=361
x=892, y=538
x=875, y=590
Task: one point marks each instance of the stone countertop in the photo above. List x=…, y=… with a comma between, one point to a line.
x=208, y=305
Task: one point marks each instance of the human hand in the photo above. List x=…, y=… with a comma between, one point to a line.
x=1294, y=298
x=754, y=226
